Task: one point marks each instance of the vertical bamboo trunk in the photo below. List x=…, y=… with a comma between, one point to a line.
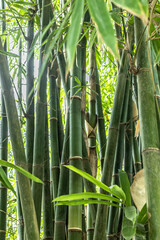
x=128, y=162
x=47, y=204
x=100, y=121
x=4, y=156
x=63, y=189
x=55, y=162
x=39, y=137
x=101, y=219
x=148, y=131
x=18, y=151
x=3, y=152
x=20, y=228
x=30, y=97
x=92, y=114
x=114, y=213
x=75, y=181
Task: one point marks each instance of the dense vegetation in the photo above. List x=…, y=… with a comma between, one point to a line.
x=80, y=116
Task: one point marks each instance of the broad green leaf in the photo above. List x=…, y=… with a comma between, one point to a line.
x=142, y=217
x=101, y=17
x=81, y=202
x=74, y=32
x=92, y=179
x=21, y=170
x=86, y=195
x=117, y=191
x=140, y=232
x=8, y=54
x=136, y=7
x=116, y=17
x=130, y=213
x=128, y=229
x=5, y=181
x=125, y=185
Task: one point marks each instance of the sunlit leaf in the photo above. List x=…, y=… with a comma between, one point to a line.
x=5, y=181
x=128, y=229
x=101, y=17
x=117, y=191
x=125, y=185
x=92, y=179
x=130, y=213
x=21, y=170
x=136, y=7
x=81, y=202
x=8, y=54
x=86, y=195
x=74, y=31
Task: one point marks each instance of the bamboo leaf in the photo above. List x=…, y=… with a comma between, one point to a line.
x=128, y=229
x=136, y=7
x=86, y=195
x=101, y=17
x=117, y=191
x=130, y=213
x=21, y=170
x=125, y=185
x=92, y=179
x=142, y=216
x=74, y=32
x=81, y=202
x=8, y=54
x=5, y=181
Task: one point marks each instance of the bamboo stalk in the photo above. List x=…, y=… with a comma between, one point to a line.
x=18, y=151
x=3, y=152
x=47, y=204
x=148, y=130
x=39, y=137
x=101, y=219
x=30, y=97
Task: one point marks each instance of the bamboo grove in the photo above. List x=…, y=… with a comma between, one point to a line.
x=61, y=53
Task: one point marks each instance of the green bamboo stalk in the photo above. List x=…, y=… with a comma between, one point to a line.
x=59, y=116
x=148, y=130
x=20, y=228
x=114, y=213
x=4, y=156
x=30, y=96
x=3, y=151
x=128, y=162
x=39, y=137
x=55, y=161
x=47, y=205
x=136, y=153
x=75, y=181
x=100, y=121
x=63, y=189
x=18, y=151
x=101, y=219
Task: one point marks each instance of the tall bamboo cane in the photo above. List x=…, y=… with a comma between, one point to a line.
x=18, y=151
x=30, y=96
x=148, y=130
x=39, y=137
x=101, y=219
x=47, y=204
x=75, y=181
x=3, y=152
